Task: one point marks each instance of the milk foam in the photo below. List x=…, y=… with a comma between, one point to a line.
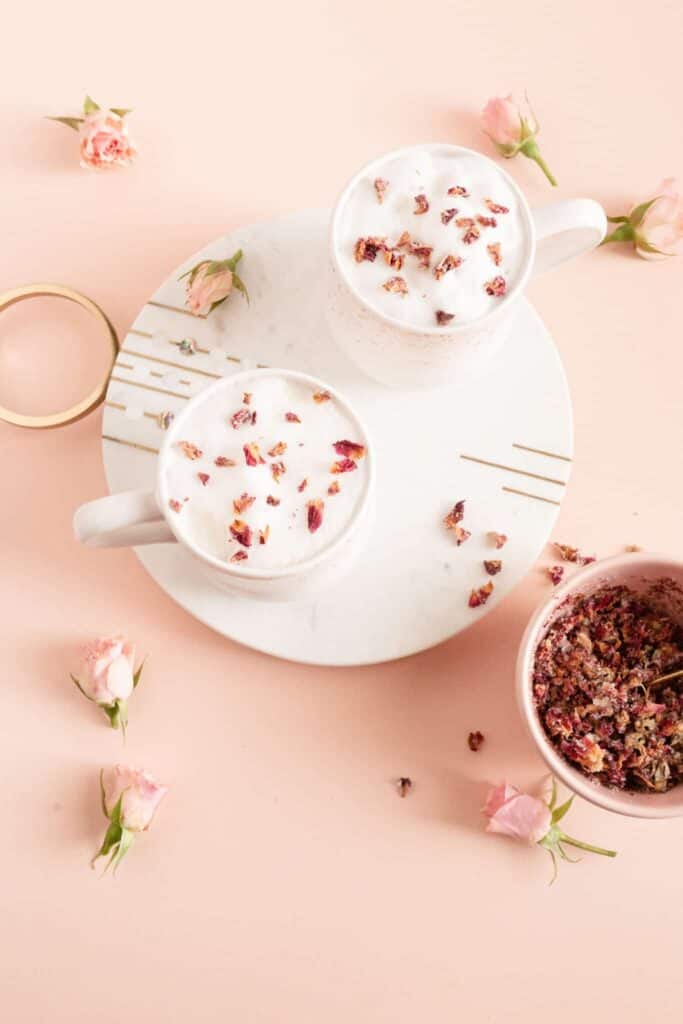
x=205, y=511
x=431, y=172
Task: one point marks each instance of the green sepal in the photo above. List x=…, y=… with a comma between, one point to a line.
x=637, y=213
x=648, y=247
x=234, y=259
x=624, y=233
x=76, y=683
x=125, y=843
x=117, y=713
x=121, y=111
x=112, y=837
x=136, y=677
x=89, y=106
x=240, y=285
x=553, y=795
x=70, y=122
x=618, y=220
x=559, y=812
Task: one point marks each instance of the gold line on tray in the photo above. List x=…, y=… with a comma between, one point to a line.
x=513, y=469
x=541, y=451
x=148, y=387
x=131, y=444
x=536, y=497
x=169, y=362
x=175, y=309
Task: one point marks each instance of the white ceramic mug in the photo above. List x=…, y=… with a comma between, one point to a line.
x=400, y=355
x=138, y=517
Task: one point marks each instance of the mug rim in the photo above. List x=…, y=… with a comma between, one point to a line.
x=236, y=569
x=450, y=329
x=630, y=804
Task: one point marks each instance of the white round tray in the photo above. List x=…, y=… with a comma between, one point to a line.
x=504, y=446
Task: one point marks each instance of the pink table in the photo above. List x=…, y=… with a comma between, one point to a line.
x=283, y=879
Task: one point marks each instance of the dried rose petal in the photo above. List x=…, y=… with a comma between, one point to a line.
x=188, y=346
x=493, y=566
x=448, y=262
x=175, y=505
x=343, y=466
x=481, y=596
x=242, y=503
x=396, y=285
x=223, y=460
x=321, y=396
x=570, y=554
x=239, y=556
x=278, y=449
x=471, y=235
x=448, y=215
x=241, y=531
x=464, y=222
x=499, y=539
x=334, y=487
x=315, y=514
x=165, y=419
x=394, y=258
x=496, y=286
x=272, y=500
x=252, y=455
x=381, y=185
x=458, y=190
x=494, y=252
x=421, y=204
x=495, y=207
x=367, y=249
x=443, y=318
x=204, y=478
x=632, y=548
x=555, y=574
x=461, y=535
x=291, y=417
x=242, y=418
x=302, y=486
x=423, y=253
x=190, y=450
x=246, y=398
x=277, y=469
x=487, y=222
x=404, y=241
x=263, y=535
x=475, y=740
x=455, y=516
x=349, y=449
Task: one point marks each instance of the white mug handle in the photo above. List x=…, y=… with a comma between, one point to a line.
x=566, y=229
x=121, y=520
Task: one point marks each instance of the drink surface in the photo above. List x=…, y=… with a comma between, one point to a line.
x=432, y=238
x=253, y=476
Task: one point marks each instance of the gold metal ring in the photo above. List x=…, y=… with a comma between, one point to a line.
x=92, y=400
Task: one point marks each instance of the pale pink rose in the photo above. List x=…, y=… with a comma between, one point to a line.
x=205, y=289
x=516, y=814
x=662, y=225
x=104, y=141
x=501, y=121
x=107, y=671
x=140, y=793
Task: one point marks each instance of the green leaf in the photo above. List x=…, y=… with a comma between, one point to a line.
x=559, y=812
x=240, y=285
x=76, y=682
x=89, y=106
x=70, y=122
x=136, y=677
x=121, y=111
x=636, y=215
x=125, y=843
x=112, y=838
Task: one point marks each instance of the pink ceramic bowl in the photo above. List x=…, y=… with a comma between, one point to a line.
x=637, y=571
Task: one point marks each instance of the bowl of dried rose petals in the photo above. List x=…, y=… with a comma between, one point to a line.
x=600, y=684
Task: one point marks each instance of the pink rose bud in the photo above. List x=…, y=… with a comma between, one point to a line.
x=108, y=677
x=130, y=798
x=655, y=227
x=512, y=127
x=531, y=820
x=210, y=282
x=104, y=140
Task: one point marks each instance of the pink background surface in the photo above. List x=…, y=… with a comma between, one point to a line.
x=283, y=879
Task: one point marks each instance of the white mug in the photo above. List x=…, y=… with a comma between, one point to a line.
x=400, y=355
x=138, y=517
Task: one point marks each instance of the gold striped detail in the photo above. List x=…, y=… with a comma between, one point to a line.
x=148, y=387
x=174, y=309
x=513, y=469
x=541, y=451
x=131, y=444
x=150, y=415
x=169, y=362
x=536, y=497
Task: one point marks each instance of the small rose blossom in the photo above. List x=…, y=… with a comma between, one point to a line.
x=655, y=227
x=210, y=282
x=130, y=798
x=107, y=676
x=512, y=127
x=104, y=141
x=531, y=820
